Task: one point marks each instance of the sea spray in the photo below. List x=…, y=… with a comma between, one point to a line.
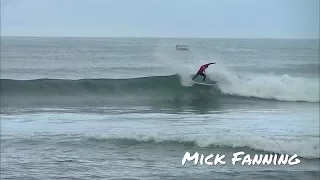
x=279, y=87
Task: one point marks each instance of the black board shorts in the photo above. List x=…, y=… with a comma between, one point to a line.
x=200, y=73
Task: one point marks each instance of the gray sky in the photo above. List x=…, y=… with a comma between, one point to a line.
x=161, y=18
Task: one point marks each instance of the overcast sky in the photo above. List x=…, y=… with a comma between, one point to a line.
x=161, y=18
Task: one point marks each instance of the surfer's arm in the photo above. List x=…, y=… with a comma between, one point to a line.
x=210, y=64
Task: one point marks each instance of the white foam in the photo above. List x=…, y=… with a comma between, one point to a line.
x=269, y=144
x=283, y=87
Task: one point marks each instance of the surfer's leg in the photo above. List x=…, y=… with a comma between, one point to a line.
x=204, y=77
x=195, y=76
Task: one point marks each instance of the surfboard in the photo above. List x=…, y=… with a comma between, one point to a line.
x=206, y=84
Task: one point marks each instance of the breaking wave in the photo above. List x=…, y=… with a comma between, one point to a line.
x=282, y=88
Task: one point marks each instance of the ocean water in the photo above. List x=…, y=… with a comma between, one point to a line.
x=125, y=108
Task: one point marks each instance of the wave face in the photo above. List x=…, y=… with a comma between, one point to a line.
x=282, y=88
x=88, y=86
x=135, y=89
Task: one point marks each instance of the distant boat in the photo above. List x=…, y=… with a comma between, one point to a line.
x=182, y=47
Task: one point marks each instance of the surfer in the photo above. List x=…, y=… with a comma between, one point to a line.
x=202, y=70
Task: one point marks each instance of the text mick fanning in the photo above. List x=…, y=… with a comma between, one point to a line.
x=242, y=158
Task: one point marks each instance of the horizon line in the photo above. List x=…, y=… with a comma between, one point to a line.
x=161, y=37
